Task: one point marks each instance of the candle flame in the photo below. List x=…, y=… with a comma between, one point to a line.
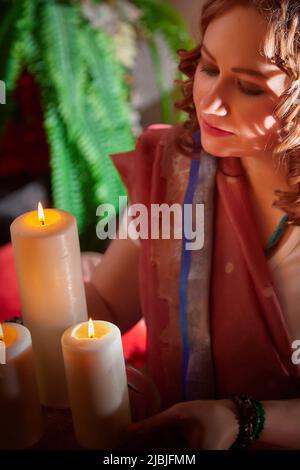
x=41, y=214
x=91, y=330
x=1, y=333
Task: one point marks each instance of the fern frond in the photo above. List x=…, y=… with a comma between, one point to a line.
x=15, y=27
x=27, y=26
x=65, y=176
x=106, y=75
x=10, y=61
x=62, y=60
x=108, y=112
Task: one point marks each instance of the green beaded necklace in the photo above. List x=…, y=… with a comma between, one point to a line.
x=277, y=234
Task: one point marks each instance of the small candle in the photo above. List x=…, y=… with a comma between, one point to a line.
x=21, y=419
x=97, y=383
x=48, y=265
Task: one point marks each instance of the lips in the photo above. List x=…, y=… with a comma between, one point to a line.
x=217, y=128
x=214, y=131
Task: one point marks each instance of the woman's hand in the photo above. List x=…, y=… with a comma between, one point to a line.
x=199, y=424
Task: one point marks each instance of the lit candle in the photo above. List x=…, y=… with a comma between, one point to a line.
x=21, y=419
x=48, y=265
x=97, y=383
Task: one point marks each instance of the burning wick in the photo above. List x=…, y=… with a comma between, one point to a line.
x=41, y=215
x=91, y=329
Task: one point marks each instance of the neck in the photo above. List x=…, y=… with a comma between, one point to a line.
x=263, y=180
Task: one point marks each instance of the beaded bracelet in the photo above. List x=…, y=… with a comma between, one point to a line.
x=251, y=416
x=260, y=418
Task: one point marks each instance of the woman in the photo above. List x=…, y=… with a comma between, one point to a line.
x=222, y=320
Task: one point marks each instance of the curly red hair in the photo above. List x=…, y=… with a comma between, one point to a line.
x=282, y=47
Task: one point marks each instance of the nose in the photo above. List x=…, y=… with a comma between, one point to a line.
x=214, y=102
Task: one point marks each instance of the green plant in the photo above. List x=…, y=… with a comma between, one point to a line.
x=85, y=86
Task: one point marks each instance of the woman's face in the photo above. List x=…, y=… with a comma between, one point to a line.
x=234, y=100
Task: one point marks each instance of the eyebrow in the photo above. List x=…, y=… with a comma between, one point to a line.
x=254, y=73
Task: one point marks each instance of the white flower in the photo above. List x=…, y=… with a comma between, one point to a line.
x=102, y=16
x=125, y=45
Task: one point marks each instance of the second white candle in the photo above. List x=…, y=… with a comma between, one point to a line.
x=97, y=384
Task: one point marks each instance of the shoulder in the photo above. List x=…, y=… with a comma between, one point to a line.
x=154, y=138
x=141, y=168
x=156, y=145
x=154, y=135
x=155, y=142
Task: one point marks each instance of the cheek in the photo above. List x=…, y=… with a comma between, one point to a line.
x=198, y=87
x=253, y=118
x=258, y=120
x=258, y=130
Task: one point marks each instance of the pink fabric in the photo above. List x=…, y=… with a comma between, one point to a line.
x=142, y=173
x=10, y=305
x=251, y=345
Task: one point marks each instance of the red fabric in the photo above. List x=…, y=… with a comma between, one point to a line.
x=250, y=341
x=10, y=305
x=141, y=172
x=134, y=341
x=251, y=344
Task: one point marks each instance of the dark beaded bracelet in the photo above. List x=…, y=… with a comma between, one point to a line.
x=251, y=419
x=260, y=419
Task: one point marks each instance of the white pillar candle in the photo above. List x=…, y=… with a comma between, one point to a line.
x=48, y=266
x=21, y=419
x=97, y=383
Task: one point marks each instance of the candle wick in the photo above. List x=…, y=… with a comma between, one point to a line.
x=43, y=222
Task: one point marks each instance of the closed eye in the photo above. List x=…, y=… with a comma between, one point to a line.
x=248, y=91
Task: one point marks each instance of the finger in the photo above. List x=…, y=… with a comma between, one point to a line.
x=163, y=420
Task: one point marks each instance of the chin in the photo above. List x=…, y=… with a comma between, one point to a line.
x=216, y=150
